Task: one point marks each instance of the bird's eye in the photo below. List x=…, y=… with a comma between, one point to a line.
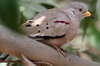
x=80, y=9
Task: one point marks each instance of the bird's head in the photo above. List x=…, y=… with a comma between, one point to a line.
x=80, y=10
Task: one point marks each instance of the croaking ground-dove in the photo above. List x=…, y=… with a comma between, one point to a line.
x=57, y=26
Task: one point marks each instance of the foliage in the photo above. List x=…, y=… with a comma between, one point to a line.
x=9, y=14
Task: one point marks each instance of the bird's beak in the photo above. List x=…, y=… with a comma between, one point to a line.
x=87, y=13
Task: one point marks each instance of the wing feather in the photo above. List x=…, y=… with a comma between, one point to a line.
x=44, y=24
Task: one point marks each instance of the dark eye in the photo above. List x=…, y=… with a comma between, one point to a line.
x=80, y=9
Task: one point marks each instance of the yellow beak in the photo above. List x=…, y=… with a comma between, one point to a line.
x=87, y=13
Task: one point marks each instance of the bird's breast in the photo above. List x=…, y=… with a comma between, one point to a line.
x=72, y=32
x=70, y=35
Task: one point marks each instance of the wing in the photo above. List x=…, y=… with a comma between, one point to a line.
x=49, y=24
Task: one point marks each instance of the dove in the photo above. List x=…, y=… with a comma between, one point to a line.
x=57, y=26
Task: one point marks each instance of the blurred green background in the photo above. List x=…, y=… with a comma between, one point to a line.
x=87, y=43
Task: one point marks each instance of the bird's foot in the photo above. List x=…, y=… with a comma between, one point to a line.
x=59, y=50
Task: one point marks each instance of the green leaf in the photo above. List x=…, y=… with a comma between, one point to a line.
x=98, y=8
x=29, y=8
x=94, y=37
x=52, y=2
x=93, y=56
x=27, y=12
x=48, y=6
x=32, y=5
x=9, y=14
x=22, y=19
x=16, y=64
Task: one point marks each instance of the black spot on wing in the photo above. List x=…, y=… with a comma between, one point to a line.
x=37, y=25
x=46, y=23
x=28, y=25
x=30, y=21
x=47, y=27
x=39, y=31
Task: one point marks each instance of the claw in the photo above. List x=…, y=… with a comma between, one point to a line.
x=59, y=50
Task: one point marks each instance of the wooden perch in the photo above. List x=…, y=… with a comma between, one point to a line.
x=16, y=45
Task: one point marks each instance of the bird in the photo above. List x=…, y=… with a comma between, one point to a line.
x=57, y=26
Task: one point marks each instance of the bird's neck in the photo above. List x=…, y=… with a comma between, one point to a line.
x=78, y=16
x=75, y=21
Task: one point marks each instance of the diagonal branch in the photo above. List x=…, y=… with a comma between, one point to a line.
x=16, y=45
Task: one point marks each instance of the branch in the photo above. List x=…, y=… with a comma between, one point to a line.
x=16, y=45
